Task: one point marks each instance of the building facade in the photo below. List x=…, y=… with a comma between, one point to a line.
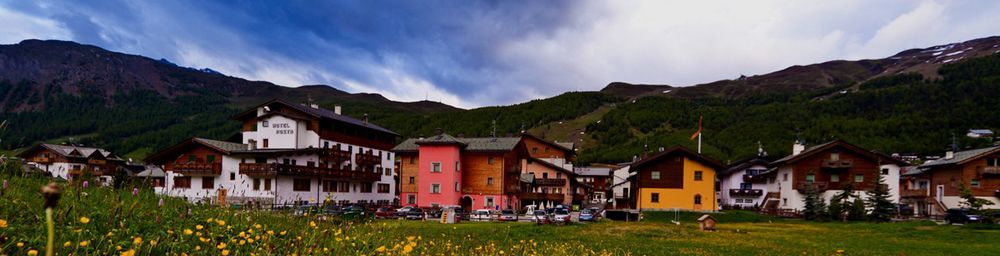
x=676, y=178
x=72, y=162
x=828, y=168
x=742, y=185
x=932, y=188
x=597, y=177
x=288, y=154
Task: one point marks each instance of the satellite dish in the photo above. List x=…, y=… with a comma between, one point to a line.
x=267, y=109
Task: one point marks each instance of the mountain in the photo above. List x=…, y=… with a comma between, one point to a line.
x=910, y=102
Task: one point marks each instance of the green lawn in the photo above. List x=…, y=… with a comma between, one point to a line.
x=119, y=222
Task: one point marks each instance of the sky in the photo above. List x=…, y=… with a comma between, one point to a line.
x=483, y=53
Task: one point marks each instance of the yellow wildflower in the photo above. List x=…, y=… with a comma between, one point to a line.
x=188, y=232
x=130, y=252
x=67, y=244
x=84, y=220
x=3, y=223
x=197, y=247
x=380, y=249
x=407, y=249
x=199, y=227
x=257, y=226
x=270, y=232
x=84, y=243
x=225, y=252
x=221, y=246
x=282, y=233
x=312, y=224
x=32, y=252
x=20, y=244
x=243, y=234
x=152, y=242
x=220, y=222
x=137, y=240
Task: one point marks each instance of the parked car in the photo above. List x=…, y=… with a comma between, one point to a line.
x=508, y=215
x=996, y=217
x=589, y=215
x=961, y=216
x=538, y=216
x=415, y=214
x=385, y=213
x=561, y=216
x=401, y=212
x=434, y=213
x=482, y=214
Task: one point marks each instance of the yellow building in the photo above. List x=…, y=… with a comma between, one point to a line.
x=677, y=178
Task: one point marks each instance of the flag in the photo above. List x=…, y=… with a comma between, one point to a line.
x=698, y=132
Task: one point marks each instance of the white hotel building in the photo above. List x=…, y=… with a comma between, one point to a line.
x=289, y=153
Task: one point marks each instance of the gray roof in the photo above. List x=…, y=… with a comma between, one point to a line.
x=592, y=171
x=962, y=156
x=981, y=131
x=472, y=144
x=326, y=113
x=223, y=145
x=912, y=170
x=441, y=138
x=568, y=145
x=65, y=150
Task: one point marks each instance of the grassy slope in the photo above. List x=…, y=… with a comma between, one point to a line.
x=117, y=218
x=569, y=130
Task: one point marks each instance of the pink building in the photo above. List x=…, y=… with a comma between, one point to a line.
x=440, y=171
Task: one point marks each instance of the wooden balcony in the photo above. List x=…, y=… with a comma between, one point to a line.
x=41, y=160
x=273, y=169
x=92, y=172
x=542, y=197
x=837, y=164
x=754, y=178
x=804, y=185
x=367, y=158
x=550, y=182
x=336, y=155
x=97, y=162
x=990, y=170
x=196, y=168
x=915, y=193
x=746, y=192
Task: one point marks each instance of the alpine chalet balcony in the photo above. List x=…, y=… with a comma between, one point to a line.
x=836, y=164
x=754, y=178
x=41, y=160
x=550, y=182
x=804, y=185
x=746, y=192
x=990, y=170
x=337, y=155
x=196, y=168
x=274, y=169
x=915, y=193
x=367, y=158
x=541, y=196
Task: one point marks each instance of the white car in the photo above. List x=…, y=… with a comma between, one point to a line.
x=483, y=214
x=561, y=216
x=538, y=216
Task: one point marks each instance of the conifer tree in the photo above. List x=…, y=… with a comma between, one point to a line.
x=882, y=209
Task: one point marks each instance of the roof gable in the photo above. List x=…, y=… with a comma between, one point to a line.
x=837, y=144
x=565, y=147
x=962, y=157
x=320, y=113
x=223, y=147
x=682, y=150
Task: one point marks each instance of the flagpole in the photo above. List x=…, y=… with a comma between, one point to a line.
x=699, y=143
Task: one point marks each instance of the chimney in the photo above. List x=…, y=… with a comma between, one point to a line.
x=336, y=109
x=364, y=118
x=949, y=154
x=314, y=106
x=798, y=147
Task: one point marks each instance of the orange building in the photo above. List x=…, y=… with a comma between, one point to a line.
x=676, y=178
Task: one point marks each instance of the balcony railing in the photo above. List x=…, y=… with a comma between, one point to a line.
x=550, y=182
x=92, y=172
x=746, y=192
x=837, y=164
x=337, y=155
x=542, y=196
x=273, y=169
x=97, y=162
x=367, y=158
x=990, y=170
x=196, y=168
x=915, y=192
x=804, y=185
x=754, y=178
x=41, y=160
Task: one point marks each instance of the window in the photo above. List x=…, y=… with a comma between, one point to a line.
x=383, y=188
x=267, y=184
x=545, y=175
x=489, y=201
x=413, y=180
x=207, y=183
x=457, y=167
x=859, y=178
x=263, y=123
x=435, y=188
x=834, y=156
x=326, y=144
x=411, y=199
x=264, y=141
x=558, y=175
x=655, y=198
x=192, y=158
x=885, y=171
x=697, y=175
x=182, y=182
x=655, y=175
x=329, y=186
x=834, y=177
x=784, y=201
x=974, y=183
x=746, y=185
x=697, y=199
x=810, y=178
x=343, y=187
x=993, y=161
x=456, y=186
x=489, y=160
x=784, y=177
x=256, y=184
x=300, y=185
x=210, y=159
x=286, y=161
x=413, y=160
x=489, y=181
x=366, y=187
x=310, y=163
x=387, y=171
x=435, y=167
x=534, y=150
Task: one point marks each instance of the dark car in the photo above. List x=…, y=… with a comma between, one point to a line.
x=415, y=214
x=385, y=213
x=434, y=213
x=961, y=216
